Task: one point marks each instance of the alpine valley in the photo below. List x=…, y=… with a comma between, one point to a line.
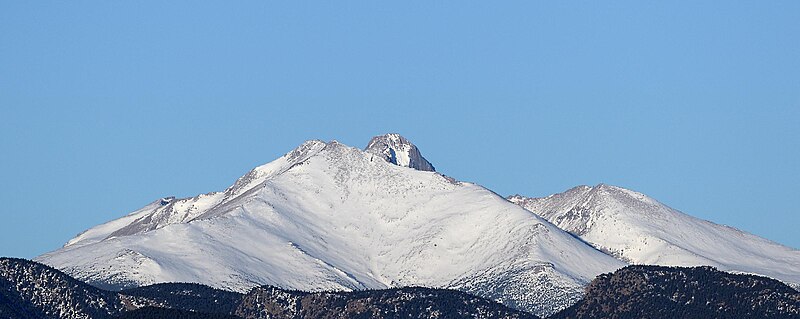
x=329, y=222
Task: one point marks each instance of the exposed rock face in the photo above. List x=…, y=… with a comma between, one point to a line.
x=677, y=292
x=397, y=150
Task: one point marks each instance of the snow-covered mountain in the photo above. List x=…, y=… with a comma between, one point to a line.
x=326, y=216
x=640, y=230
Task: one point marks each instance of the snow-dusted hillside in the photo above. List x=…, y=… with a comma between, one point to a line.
x=639, y=229
x=328, y=216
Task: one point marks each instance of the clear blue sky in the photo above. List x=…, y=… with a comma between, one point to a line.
x=108, y=105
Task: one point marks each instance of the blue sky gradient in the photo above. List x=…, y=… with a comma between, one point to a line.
x=107, y=106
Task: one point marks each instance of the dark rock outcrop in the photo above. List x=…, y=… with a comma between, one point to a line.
x=397, y=150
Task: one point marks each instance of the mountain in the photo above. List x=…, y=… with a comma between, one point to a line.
x=640, y=230
x=184, y=296
x=409, y=302
x=31, y=290
x=676, y=292
x=327, y=216
x=167, y=313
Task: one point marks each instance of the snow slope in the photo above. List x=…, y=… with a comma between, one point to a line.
x=328, y=216
x=640, y=230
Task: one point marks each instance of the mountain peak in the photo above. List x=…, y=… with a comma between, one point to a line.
x=397, y=150
x=638, y=229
